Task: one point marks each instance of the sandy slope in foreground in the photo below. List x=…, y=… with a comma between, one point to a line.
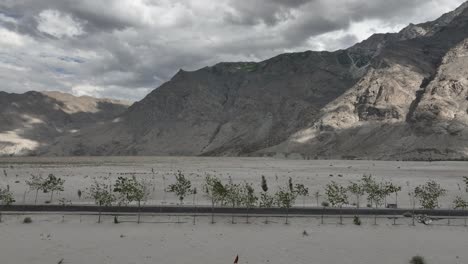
x=48, y=240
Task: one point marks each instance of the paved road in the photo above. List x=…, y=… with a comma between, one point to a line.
x=226, y=210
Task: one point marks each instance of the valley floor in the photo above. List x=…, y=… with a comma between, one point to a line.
x=51, y=238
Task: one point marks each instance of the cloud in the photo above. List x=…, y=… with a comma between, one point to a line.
x=59, y=25
x=125, y=48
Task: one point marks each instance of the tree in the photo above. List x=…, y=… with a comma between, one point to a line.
x=317, y=196
x=264, y=184
x=290, y=185
x=337, y=196
x=465, y=180
x=395, y=189
x=303, y=191
x=53, y=184
x=266, y=200
x=374, y=191
x=429, y=193
x=285, y=198
x=233, y=196
x=6, y=198
x=131, y=190
x=194, y=193
x=460, y=203
x=248, y=197
x=182, y=187
x=215, y=191
x=35, y=183
x=101, y=195
x=357, y=189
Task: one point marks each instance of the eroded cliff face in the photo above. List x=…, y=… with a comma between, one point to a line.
x=392, y=96
x=411, y=103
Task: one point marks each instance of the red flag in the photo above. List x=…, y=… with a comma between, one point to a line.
x=236, y=260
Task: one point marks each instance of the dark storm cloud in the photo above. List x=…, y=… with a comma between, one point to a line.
x=125, y=48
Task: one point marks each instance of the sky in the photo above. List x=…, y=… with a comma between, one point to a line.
x=123, y=49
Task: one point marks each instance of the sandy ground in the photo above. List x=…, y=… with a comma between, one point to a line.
x=80, y=172
x=51, y=238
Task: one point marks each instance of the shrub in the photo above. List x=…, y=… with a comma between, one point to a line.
x=369, y=205
x=407, y=214
x=27, y=220
x=325, y=204
x=417, y=260
x=356, y=220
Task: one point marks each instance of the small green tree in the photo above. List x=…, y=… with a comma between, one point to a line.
x=233, y=196
x=53, y=184
x=215, y=191
x=460, y=203
x=248, y=197
x=182, y=187
x=131, y=190
x=264, y=184
x=317, y=196
x=102, y=196
x=35, y=183
x=266, y=200
x=395, y=189
x=290, y=185
x=285, y=198
x=303, y=191
x=357, y=189
x=429, y=194
x=6, y=198
x=337, y=196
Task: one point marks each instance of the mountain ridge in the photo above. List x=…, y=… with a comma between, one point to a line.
x=374, y=100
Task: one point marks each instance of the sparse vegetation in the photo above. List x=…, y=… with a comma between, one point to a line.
x=182, y=186
x=417, y=260
x=429, y=194
x=35, y=183
x=131, y=190
x=285, y=198
x=337, y=196
x=27, y=220
x=102, y=196
x=52, y=184
x=215, y=191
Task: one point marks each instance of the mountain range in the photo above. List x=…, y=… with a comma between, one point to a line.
x=396, y=96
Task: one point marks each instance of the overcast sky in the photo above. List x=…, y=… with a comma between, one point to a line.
x=125, y=48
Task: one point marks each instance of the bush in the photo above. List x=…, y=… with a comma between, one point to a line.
x=325, y=204
x=27, y=220
x=407, y=214
x=369, y=205
x=357, y=220
x=417, y=260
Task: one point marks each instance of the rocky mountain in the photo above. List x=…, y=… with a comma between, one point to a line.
x=393, y=96
x=32, y=120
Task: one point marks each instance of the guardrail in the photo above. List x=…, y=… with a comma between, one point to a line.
x=228, y=210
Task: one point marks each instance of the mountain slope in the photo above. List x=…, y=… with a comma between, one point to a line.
x=388, y=97
x=31, y=120
x=384, y=115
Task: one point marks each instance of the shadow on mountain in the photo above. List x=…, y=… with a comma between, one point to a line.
x=36, y=118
